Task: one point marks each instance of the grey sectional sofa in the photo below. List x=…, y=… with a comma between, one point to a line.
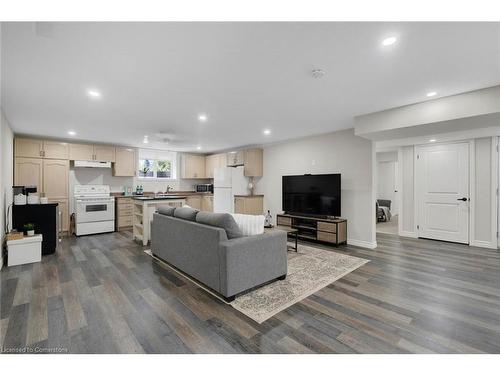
x=228, y=266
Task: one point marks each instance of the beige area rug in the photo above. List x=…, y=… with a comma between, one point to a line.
x=309, y=270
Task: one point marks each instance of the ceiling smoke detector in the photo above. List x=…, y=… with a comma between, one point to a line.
x=318, y=73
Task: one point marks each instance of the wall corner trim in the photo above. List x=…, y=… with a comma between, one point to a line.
x=365, y=244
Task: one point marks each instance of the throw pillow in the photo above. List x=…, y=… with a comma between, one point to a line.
x=166, y=210
x=221, y=220
x=186, y=213
x=250, y=225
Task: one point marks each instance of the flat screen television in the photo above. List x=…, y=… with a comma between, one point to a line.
x=312, y=195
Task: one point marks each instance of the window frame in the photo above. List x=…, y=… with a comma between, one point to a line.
x=155, y=156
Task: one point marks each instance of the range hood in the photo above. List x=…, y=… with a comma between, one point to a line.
x=92, y=164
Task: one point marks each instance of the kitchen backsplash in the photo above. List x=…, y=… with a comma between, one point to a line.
x=104, y=176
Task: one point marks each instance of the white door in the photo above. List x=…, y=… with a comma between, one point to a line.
x=442, y=188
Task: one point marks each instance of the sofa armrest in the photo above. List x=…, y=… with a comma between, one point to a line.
x=247, y=262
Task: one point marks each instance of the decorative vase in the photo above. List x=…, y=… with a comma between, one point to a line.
x=30, y=232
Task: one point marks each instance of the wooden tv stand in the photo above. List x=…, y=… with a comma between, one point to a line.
x=333, y=231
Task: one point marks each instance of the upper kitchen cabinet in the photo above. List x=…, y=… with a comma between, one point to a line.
x=235, y=158
x=125, y=162
x=251, y=159
x=55, y=150
x=193, y=166
x=38, y=148
x=104, y=153
x=213, y=162
x=28, y=148
x=55, y=178
x=28, y=172
x=78, y=151
x=253, y=162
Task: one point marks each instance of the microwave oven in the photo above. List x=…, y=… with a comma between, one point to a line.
x=205, y=188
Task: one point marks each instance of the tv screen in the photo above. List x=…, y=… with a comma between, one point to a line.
x=314, y=195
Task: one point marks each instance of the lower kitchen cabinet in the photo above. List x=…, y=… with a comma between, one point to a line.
x=207, y=203
x=249, y=204
x=124, y=210
x=194, y=201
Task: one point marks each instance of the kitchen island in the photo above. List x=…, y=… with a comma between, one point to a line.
x=145, y=207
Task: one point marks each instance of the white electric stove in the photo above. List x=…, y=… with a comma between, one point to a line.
x=94, y=209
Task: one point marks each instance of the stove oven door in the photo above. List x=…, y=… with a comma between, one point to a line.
x=95, y=210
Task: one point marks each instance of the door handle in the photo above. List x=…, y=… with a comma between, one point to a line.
x=462, y=199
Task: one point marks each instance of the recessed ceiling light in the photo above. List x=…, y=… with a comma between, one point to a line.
x=71, y=132
x=432, y=140
x=198, y=147
x=94, y=94
x=432, y=93
x=266, y=131
x=390, y=40
x=145, y=140
x=202, y=117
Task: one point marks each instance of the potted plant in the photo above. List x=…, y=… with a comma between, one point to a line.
x=146, y=170
x=29, y=228
x=162, y=169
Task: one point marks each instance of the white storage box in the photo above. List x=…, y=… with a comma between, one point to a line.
x=25, y=250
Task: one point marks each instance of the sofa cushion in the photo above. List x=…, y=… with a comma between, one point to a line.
x=166, y=210
x=186, y=213
x=221, y=220
x=250, y=225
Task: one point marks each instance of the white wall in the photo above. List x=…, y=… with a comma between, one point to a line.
x=465, y=105
x=483, y=200
x=6, y=175
x=407, y=225
x=338, y=152
x=485, y=181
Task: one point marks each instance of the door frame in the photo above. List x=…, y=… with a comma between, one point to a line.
x=472, y=190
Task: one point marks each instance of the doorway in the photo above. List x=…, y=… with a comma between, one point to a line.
x=387, y=204
x=442, y=192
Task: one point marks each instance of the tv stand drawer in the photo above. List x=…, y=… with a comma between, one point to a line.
x=284, y=221
x=327, y=227
x=326, y=236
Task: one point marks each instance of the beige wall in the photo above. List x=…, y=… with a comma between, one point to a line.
x=338, y=152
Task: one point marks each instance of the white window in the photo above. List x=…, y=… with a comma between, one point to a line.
x=157, y=164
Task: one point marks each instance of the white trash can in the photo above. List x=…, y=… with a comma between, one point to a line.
x=25, y=250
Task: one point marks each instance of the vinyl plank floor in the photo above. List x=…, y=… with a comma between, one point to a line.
x=102, y=294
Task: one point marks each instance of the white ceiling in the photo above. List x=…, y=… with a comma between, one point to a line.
x=157, y=77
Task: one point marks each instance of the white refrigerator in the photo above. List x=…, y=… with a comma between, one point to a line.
x=228, y=182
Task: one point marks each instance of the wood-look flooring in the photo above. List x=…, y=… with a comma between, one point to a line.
x=102, y=294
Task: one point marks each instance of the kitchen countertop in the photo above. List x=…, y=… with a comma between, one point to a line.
x=160, y=198
x=250, y=196
x=151, y=194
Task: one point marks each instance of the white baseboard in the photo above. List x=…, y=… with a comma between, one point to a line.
x=485, y=244
x=405, y=233
x=365, y=244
